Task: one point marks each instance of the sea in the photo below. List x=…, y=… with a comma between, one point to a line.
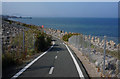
x=99, y=27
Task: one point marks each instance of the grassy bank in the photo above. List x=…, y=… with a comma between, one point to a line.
x=35, y=41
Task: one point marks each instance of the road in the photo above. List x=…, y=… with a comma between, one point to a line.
x=57, y=62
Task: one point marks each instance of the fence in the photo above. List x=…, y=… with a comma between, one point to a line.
x=22, y=43
x=101, y=52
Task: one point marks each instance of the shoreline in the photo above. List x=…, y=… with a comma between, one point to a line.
x=113, y=38
x=110, y=38
x=78, y=29
x=95, y=40
x=57, y=33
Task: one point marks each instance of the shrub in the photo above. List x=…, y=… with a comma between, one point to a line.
x=10, y=59
x=42, y=42
x=67, y=36
x=7, y=59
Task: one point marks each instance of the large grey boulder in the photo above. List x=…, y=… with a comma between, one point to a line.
x=110, y=64
x=98, y=62
x=118, y=75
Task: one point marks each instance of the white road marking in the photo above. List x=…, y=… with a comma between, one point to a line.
x=32, y=62
x=75, y=62
x=57, y=51
x=55, y=57
x=53, y=42
x=51, y=70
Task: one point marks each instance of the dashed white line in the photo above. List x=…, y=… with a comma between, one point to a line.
x=55, y=57
x=75, y=62
x=57, y=51
x=51, y=70
x=22, y=70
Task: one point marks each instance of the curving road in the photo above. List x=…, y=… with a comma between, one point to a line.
x=59, y=61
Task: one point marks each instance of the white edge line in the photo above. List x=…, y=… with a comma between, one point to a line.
x=27, y=66
x=51, y=70
x=75, y=62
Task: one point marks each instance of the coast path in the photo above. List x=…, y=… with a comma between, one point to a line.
x=59, y=61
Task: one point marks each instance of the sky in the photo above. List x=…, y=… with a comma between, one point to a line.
x=61, y=9
x=60, y=0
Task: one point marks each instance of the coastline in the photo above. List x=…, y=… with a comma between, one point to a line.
x=92, y=26
x=59, y=34
x=95, y=40
x=109, y=38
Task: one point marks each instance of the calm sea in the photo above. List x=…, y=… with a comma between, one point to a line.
x=88, y=26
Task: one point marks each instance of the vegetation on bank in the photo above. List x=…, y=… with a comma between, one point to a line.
x=108, y=52
x=22, y=24
x=101, y=50
x=67, y=36
x=35, y=41
x=86, y=44
x=43, y=41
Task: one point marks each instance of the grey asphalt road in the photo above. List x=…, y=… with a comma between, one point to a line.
x=56, y=63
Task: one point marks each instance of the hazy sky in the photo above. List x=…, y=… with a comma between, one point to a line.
x=61, y=9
